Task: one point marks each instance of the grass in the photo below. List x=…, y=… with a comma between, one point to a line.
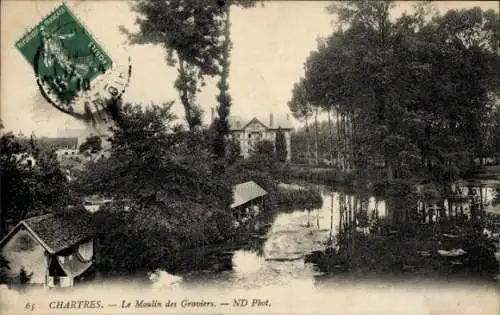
x=296, y=198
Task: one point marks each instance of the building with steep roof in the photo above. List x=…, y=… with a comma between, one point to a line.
x=54, y=248
x=59, y=143
x=250, y=131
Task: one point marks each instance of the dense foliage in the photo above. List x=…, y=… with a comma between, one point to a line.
x=265, y=167
x=32, y=180
x=153, y=160
x=373, y=72
x=166, y=197
x=143, y=239
x=91, y=145
x=190, y=32
x=280, y=146
x=197, y=39
x=300, y=137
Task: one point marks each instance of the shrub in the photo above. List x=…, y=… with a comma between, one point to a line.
x=293, y=198
x=144, y=239
x=4, y=267
x=24, y=276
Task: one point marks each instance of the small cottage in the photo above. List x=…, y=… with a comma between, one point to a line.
x=55, y=249
x=248, y=200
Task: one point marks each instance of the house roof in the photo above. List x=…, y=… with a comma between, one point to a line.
x=59, y=142
x=57, y=232
x=245, y=192
x=239, y=123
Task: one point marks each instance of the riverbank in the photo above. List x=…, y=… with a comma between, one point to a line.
x=291, y=245
x=491, y=172
x=250, y=236
x=427, y=252
x=349, y=180
x=168, y=234
x=278, y=252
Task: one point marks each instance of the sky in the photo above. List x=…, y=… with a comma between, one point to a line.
x=270, y=45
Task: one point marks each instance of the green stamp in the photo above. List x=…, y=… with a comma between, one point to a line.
x=65, y=57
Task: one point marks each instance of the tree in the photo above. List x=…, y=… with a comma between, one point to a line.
x=280, y=145
x=233, y=151
x=262, y=156
x=190, y=31
x=264, y=148
x=164, y=175
x=325, y=147
x=496, y=135
x=326, y=70
x=301, y=108
x=220, y=125
x=91, y=145
x=29, y=188
x=374, y=73
x=152, y=160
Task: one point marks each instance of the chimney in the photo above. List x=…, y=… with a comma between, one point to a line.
x=211, y=114
x=271, y=120
x=287, y=116
x=238, y=124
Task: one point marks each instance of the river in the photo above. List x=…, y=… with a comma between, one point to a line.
x=271, y=264
x=276, y=255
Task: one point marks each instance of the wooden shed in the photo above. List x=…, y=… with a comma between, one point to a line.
x=248, y=200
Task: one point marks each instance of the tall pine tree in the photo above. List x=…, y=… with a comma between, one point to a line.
x=280, y=145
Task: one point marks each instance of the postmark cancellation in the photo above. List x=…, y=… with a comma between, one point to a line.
x=73, y=71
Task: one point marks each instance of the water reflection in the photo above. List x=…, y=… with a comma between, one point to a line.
x=414, y=236
x=284, y=247
x=276, y=253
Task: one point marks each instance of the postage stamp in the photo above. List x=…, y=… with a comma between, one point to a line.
x=70, y=65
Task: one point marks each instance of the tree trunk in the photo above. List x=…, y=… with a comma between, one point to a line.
x=330, y=131
x=351, y=140
x=331, y=220
x=348, y=140
x=223, y=110
x=353, y=224
x=308, y=145
x=183, y=93
x=339, y=149
x=496, y=141
x=390, y=172
x=316, y=135
x=344, y=141
x=497, y=153
x=3, y=227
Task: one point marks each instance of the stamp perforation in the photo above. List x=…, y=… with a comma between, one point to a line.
x=70, y=76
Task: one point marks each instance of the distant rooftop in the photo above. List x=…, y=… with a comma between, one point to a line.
x=59, y=142
x=271, y=122
x=53, y=142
